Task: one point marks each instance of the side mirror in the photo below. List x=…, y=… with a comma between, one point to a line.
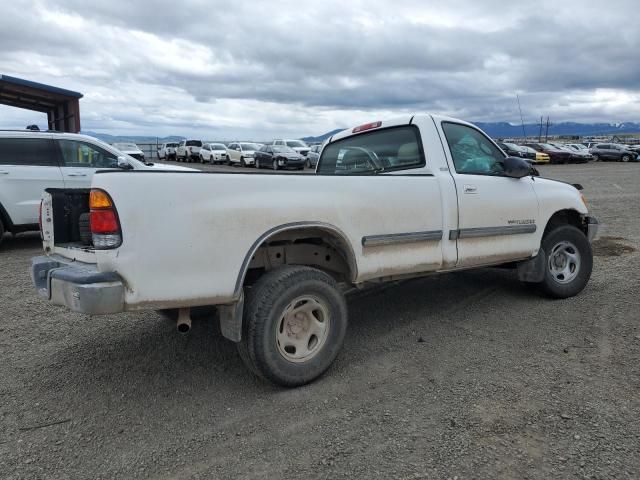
x=516, y=167
x=123, y=164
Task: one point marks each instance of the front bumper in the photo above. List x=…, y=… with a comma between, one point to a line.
x=78, y=286
x=592, y=227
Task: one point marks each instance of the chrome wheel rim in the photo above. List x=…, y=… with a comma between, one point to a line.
x=564, y=262
x=302, y=329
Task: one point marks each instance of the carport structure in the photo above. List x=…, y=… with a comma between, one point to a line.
x=61, y=106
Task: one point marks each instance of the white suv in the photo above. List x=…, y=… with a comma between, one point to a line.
x=213, y=153
x=242, y=153
x=33, y=161
x=297, y=145
x=167, y=151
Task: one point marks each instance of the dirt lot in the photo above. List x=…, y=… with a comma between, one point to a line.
x=466, y=375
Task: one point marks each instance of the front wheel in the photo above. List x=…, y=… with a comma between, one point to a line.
x=243, y=164
x=257, y=163
x=568, y=262
x=274, y=165
x=626, y=158
x=294, y=325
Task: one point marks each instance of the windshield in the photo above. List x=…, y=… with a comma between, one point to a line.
x=218, y=146
x=126, y=146
x=193, y=143
x=296, y=144
x=250, y=146
x=393, y=148
x=281, y=149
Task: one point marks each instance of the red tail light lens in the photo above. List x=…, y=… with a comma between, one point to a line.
x=103, y=219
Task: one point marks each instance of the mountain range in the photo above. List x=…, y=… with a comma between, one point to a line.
x=493, y=129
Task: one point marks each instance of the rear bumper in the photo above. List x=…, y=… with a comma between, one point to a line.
x=78, y=286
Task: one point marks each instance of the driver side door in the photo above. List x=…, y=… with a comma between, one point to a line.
x=497, y=215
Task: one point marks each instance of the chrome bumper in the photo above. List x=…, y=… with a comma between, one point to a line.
x=592, y=228
x=78, y=286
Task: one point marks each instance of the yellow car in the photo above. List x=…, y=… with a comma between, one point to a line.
x=540, y=156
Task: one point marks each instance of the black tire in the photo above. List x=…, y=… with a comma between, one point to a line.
x=625, y=158
x=2, y=230
x=201, y=159
x=596, y=157
x=257, y=164
x=243, y=164
x=577, y=243
x=266, y=302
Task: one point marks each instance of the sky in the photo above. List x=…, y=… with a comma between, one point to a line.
x=258, y=70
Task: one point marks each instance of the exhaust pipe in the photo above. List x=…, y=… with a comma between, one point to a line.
x=184, y=321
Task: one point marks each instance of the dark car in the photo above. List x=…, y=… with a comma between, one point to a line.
x=555, y=154
x=314, y=155
x=612, y=152
x=514, y=150
x=577, y=156
x=276, y=156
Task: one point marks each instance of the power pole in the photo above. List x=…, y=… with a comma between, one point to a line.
x=540, y=134
x=546, y=132
x=524, y=134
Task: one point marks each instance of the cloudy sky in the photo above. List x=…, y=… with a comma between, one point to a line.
x=253, y=69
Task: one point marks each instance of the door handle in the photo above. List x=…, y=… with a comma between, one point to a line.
x=470, y=189
x=76, y=174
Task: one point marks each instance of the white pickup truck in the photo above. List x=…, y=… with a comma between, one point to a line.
x=274, y=253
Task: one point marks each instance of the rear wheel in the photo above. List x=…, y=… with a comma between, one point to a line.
x=568, y=262
x=1, y=231
x=294, y=325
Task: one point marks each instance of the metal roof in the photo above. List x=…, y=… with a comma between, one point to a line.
x=62, y=106
x=39, y=86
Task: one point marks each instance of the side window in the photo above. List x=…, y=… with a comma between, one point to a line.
x=82, y=154
x=472, y=152
x=27, y=151
x=395, y=148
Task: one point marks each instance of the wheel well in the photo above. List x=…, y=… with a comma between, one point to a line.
x=565, y=217
x=5, y=219
x=317, y=247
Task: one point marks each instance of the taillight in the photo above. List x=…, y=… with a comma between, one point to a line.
x=366, y=126
x=103, y=219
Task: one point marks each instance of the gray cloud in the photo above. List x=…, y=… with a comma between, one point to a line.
x=261, y=68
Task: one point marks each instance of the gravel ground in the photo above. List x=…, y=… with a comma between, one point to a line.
x=465, y=375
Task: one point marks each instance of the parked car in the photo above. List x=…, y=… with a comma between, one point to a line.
x=539, y=157
x=298, y=145
x=188, y=150
x=517, y=151
x=275, y=254
x=31, y=161
x=577, y=156
x=314, y=155
x=167, y=151
x=276, y=157
x=241, y=153
x=213, y=153
x=556, y=155
x=612, y=152
x=130, y=149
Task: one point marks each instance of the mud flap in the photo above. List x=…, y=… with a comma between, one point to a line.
x=532, y=270
x=231, y=319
